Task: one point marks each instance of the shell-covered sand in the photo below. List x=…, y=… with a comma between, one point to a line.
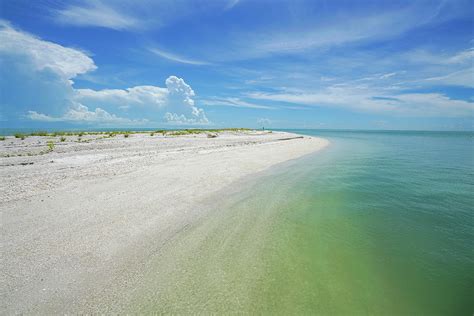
x=79, y=217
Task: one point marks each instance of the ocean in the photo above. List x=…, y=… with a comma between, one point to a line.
x=377, y=223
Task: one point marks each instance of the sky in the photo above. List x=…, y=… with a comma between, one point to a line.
x=404, y=65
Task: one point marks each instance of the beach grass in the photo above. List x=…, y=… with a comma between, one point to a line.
x=109, y=134
x=39, y=133
x=20, y=135
x=50, y=145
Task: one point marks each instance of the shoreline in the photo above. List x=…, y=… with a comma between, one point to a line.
x=73, y=227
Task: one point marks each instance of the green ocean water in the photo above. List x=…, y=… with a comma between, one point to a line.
x=377, y=223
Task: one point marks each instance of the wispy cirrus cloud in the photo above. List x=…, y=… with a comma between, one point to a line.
x=177, y=58
x=133, y=15
x=235, y=102
x=96, y=14
x=364, y=99
x=303, y=32
x=425, y=56
x=231, y=4
x=464, y=77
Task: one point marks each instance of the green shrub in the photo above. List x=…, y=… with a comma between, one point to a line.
x=50, y=145
x=39, y=133
x=2, y=137
x=63, y=139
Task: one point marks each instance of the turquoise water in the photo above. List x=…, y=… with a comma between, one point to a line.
x=377, y=223
x=386, y=219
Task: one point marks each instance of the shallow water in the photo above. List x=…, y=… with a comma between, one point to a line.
x=377, y=223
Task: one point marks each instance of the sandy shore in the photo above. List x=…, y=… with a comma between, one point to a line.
x=77, y=219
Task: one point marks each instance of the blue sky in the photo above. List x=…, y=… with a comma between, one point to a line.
x=282, y=64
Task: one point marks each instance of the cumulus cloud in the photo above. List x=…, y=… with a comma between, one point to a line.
x=176, y=99
x=150, y=96
x=36, y=80
x=36, y=74
x=264, y=122
x=81, y=113
x=64, y=61
x=180, y=98
x=35, y=116
x=198, y=119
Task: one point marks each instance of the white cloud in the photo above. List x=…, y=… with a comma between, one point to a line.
x=386, y=76
x=299, y=35
x=463, y=77
x=180, y=100
x=264, y=122
x=176, y=58
x=132, y=15
x=464, y=56
x=180, y=91
x=231, y=4
x=176, y=119
x=81, y=113
x=38, y=85
x=44, y=55
x=456, y=69
x=35, y=116
x=422, y=56
x=96, y=14
x=150, y=96
x=235, y=102
x=377, y=101
x=176, y=99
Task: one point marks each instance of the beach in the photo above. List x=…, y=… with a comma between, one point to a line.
x=81, y=218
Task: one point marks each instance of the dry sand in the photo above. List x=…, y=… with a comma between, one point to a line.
x=77, y=220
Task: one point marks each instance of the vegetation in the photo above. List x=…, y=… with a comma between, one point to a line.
x=20, y=135
x=2, y=137
x=204, y=131
x=39, y=133
x=50, y=145
x=126, y=134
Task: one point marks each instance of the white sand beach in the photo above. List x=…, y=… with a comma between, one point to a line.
x=76, y=219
